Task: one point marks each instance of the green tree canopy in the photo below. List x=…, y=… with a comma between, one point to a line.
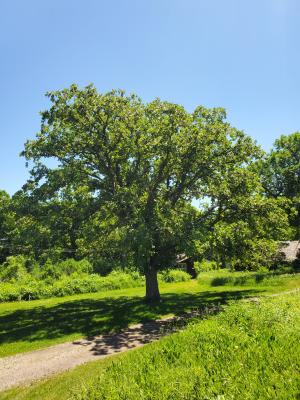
x=246, y=226
x=143, y=163
x=6, y=225
x=280, y=173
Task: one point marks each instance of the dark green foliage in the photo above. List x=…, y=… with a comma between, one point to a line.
x=47, y=224
x=282, y=166
x=6, y=225
x=280, y=173
x=244, y=229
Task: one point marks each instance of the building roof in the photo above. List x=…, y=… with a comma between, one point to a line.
x=181, y=258
x=290, y=250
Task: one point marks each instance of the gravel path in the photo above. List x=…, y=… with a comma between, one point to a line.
x=27, y=367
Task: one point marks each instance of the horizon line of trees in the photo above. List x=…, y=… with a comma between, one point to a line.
x=125, y=177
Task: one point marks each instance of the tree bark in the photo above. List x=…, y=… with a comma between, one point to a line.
x=152, y=290
x=190, y=269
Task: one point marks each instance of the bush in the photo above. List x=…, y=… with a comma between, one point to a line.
x=9, y=292
x=205, y=266
x=14, y=269
x=246, y=279
x=71, y=266
x=31, y=289
x=174, y=275
x=66, y=278
x=64, y=268
x=94, y=283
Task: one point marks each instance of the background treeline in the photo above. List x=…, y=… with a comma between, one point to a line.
x=113, y=203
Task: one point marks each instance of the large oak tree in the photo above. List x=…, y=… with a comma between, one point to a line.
x=143, y=163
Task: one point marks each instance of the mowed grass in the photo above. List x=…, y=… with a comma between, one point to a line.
x=248, y=351
x=26, y=326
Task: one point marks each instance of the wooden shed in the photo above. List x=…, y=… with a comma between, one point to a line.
x=187, y=263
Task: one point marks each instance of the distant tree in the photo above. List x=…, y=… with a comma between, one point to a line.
x=280, y=173
x=48, y=223
x=6, y=225
x=245, y=228
x=144, y=163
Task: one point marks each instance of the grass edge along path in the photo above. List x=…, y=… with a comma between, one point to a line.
x=249, y=351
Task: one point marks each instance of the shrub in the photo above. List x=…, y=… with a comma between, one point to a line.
x=246, y=279
x=71, y=266
x=9, y=292
x=65, y=268
x=30, y=288
x=14, y=269
x=174, y=275
x=205, y=266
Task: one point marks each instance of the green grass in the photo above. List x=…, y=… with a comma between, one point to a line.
x=28, y=326
x=249, y=351
x=225, y=278
x=31, y=325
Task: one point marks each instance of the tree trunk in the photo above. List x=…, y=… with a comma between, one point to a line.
x=152, y=291
x=190, y=269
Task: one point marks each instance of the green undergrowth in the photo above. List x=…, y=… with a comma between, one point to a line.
x=227, y=278
x=33, y=289
x=248, y=351
x=23, y=279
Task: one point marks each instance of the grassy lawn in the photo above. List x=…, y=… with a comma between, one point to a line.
x=249, y=351
x=26, y=326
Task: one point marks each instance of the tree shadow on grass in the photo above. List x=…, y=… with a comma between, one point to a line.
x=90, y=317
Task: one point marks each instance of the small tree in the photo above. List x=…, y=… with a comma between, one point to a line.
x=48, y=221
x=6, y=225
x=143, y=162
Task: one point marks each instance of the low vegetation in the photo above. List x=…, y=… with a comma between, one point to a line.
x=24, y=279
x=247, y=278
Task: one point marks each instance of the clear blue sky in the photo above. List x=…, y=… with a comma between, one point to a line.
x=241, y=55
